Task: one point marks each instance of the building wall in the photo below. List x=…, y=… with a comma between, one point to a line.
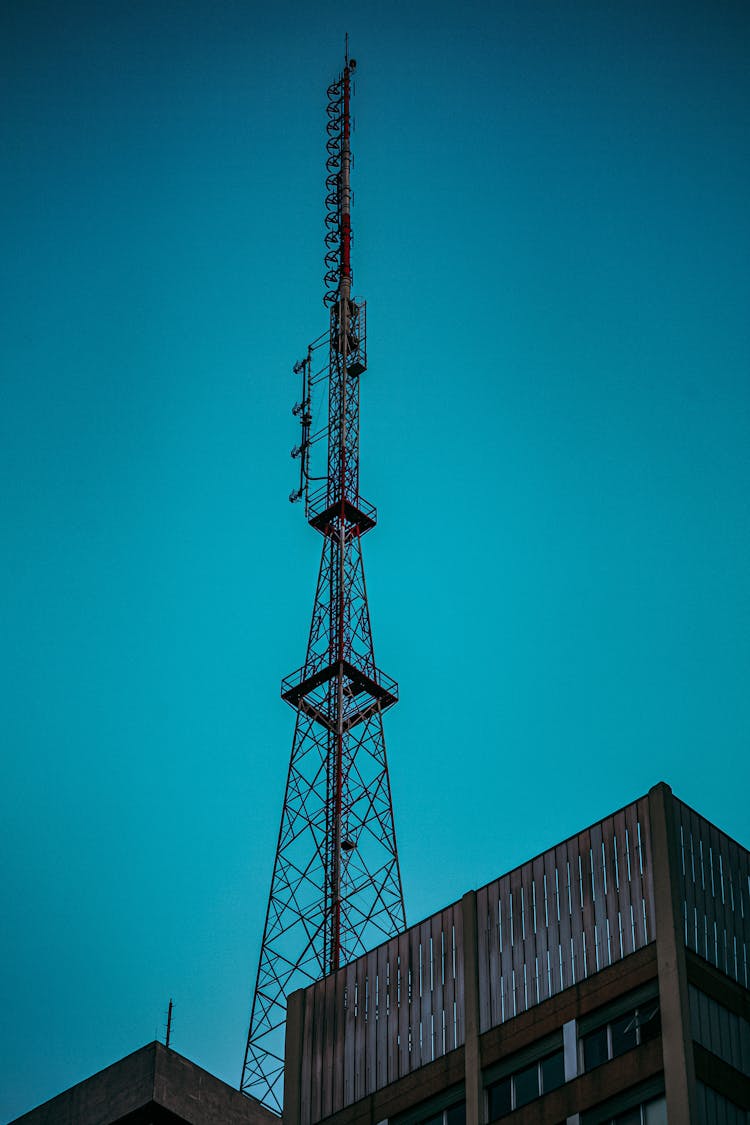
x=537, y=931
x=517, y=971
x=569, y=913
x=713, y=875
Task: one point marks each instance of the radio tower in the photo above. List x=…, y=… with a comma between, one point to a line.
x=336, y=885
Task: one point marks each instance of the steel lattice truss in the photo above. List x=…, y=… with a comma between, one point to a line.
x=336, y=885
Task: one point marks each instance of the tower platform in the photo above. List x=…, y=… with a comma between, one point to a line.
x=364, y=695
x=323, y=514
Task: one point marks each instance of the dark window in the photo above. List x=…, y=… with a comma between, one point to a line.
x=553, y=1072
x=453, y=1115
x=623, y=1034
x=649, y=1023
x=635, y=1027
x=595, y=1051
x=527, y=1085
x=629, y=1117
x=499, y=1099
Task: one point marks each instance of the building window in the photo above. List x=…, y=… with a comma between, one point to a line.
x=524, y=1085
x=552, y=1072
x=454, y=1115
x=637, y=1026
x=595, y=1047
x=650, y=1113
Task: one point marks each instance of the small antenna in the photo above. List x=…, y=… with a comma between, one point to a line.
x=169, y=1023
x=346, y=48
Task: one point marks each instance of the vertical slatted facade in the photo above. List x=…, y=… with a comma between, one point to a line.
x=714, y=880
x=570, y=912
x=383, y=1016
x=541, y=928
x=566, y=914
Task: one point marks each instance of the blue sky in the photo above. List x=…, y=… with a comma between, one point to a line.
x=552, y=234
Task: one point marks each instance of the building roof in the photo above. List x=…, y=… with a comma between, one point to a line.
x=153, y=1085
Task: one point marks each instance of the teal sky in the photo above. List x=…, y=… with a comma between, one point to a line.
x=551, y=230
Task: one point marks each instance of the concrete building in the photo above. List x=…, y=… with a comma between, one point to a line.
x=153, y=1086
x=604, y=981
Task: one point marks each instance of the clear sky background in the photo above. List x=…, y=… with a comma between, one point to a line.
x=552, y=232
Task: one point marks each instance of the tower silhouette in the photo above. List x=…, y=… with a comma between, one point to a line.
x=336, y=885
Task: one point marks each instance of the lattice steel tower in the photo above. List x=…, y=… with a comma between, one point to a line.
x=336, y=885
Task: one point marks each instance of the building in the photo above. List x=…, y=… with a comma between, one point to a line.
x=604, y=981
x=153, y=1086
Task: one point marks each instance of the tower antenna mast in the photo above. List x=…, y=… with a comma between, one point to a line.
x=336, y=885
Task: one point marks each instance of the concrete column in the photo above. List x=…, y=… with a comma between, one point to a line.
x=677, y=1043
x=295, y=1021
x=472, y=1061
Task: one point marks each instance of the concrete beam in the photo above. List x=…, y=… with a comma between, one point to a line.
x=472, y=1060
x=677, y=1044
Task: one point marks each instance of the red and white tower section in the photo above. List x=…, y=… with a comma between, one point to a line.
x=336, y=884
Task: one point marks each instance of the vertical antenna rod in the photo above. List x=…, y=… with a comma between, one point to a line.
x=169, y=1024
x=336, y=884
x=344, y=301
